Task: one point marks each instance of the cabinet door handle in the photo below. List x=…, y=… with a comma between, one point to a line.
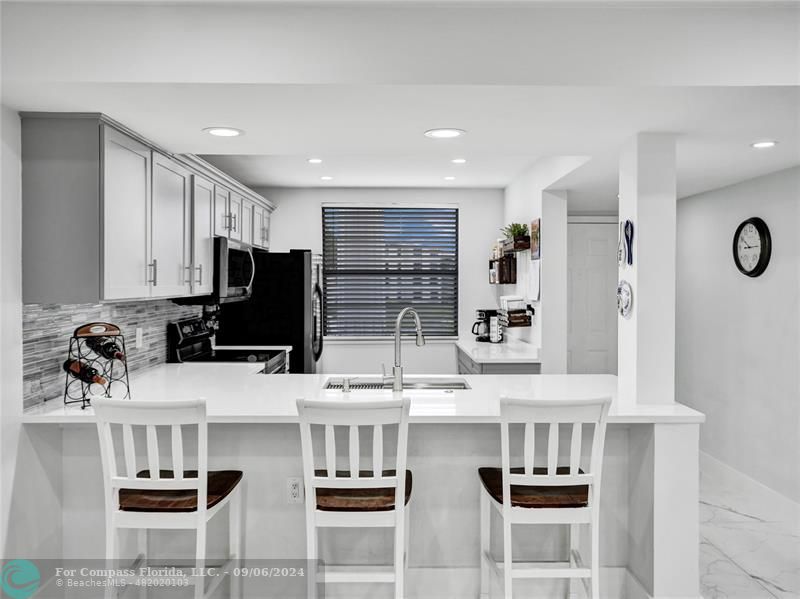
x=235, y=228
x=154, y=266
x=229, y=219
x=199, y=269
x=188, y=280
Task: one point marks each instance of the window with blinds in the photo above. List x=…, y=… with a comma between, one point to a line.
x=377, y=261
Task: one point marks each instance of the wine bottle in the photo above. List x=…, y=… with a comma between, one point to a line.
x=105, y=347
x=84, y=372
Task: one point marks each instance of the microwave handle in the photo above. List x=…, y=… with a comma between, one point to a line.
x=252, y=270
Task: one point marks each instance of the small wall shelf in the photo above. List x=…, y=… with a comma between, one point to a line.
x=504, y=269
x=518, y=244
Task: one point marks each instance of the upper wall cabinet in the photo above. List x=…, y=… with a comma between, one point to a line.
x=127, y=268
x=171, y=229
x=108, y=216
x=260, y=227
x=202, y=235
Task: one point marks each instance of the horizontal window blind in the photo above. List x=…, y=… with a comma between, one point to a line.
x=377, y=261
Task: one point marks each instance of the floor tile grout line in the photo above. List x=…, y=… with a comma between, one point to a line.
x=739, y=567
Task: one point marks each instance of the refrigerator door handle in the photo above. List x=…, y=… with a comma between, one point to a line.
x=316, y=342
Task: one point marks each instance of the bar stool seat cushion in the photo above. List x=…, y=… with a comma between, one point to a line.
x=359, y=500
x=535, y=496
x=220, y=484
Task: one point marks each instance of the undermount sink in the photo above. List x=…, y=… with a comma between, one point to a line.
x=411, y=382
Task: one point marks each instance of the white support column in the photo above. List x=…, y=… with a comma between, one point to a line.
x=663, y=519
x=553, y=311
x=646, y=340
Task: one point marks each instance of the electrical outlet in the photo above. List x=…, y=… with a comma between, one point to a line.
x=139, y=337
x=294, y=490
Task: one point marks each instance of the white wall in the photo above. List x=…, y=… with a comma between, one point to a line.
x=297, y=223
x=738, y=339
x=527, y=197
x=30, y=478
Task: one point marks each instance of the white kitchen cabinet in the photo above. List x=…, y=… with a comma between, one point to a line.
x=247, y=222
x=260, y=223
x=222, y=214
x=126, y=199
x=235, y=208
x=171, y=274
x=202, y=260
x=131, y=220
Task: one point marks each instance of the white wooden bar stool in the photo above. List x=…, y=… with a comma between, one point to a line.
x=156, y=498
x=547, y=494
x=356, y=496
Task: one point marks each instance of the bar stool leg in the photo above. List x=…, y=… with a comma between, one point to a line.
x=507, y=579
x=399, y=548
x=235, y=538
x=574, y=546
x=405, y=549
x=200, y=560
x=235, y=525
x=141, y=541
x=595, y=558
x=311, y=551
x=486, y=515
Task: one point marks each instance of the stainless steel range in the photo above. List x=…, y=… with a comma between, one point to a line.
x=191, y=340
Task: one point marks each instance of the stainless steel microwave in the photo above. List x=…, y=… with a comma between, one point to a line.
x=234, y=270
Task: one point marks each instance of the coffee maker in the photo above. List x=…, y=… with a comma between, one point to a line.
x=480, y=327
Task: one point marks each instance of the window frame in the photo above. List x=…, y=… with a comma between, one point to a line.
x=381, y=339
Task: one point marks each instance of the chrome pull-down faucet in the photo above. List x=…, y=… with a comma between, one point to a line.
x=397, y=371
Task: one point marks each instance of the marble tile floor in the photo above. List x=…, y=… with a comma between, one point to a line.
x=749, y=539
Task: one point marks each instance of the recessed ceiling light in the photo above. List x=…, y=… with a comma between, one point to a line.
x=449, y=178
x=223, y=131
x=315, y=160
x=326, y=178
x=767, y=143
x=444, y=133
x=459, y=161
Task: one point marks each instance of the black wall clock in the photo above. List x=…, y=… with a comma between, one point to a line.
x=752, y=247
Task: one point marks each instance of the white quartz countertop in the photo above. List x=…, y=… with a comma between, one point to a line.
x=510, y=351
x=236, y=393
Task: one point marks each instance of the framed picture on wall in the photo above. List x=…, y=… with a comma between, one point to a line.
x=536, y=250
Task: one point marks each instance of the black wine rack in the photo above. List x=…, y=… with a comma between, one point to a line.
x=113, y=370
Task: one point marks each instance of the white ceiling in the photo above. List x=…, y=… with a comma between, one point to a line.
x=360, y=95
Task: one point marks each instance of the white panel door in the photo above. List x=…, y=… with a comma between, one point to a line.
x=222, y=213
x=247, y=222
x=171, y=226
x=126, y=219
x=592, y=293
x=258, y=226
x=202, y=236
x=236, y=205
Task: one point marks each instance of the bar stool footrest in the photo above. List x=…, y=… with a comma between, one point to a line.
x=338, y=574
x=539, y=569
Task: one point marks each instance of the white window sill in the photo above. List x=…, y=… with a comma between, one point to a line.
x=407, y=339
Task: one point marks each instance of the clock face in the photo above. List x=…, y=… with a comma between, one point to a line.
x=752, y=247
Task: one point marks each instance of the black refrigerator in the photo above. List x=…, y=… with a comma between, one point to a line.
x=285, y=308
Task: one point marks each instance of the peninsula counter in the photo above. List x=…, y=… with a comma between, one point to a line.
x=649, y=499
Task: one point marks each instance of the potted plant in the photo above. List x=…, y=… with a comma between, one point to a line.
x=517, y=236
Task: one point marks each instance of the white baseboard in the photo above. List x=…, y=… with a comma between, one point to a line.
x=464, y=583
x=740, y=491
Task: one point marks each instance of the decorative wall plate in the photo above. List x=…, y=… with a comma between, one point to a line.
x=624, y=299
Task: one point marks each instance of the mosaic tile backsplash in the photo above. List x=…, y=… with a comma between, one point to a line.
x=47, y=328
